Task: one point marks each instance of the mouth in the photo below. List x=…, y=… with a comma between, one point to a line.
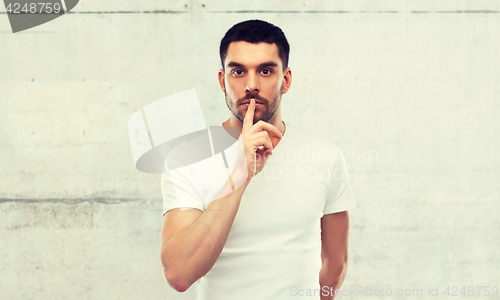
x=257, y=105
x=257, y=102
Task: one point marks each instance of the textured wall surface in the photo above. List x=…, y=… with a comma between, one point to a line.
x=409, y=92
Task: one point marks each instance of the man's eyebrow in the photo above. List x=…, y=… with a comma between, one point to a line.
x=268, y=64
x=233, y=64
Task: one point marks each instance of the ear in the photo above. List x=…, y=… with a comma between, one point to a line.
x=287, y=80
x=221, y=80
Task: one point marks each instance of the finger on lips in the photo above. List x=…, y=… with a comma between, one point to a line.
x=248, y=120
x=266, y=130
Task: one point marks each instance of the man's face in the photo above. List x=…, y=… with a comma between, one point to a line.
x=253, y=71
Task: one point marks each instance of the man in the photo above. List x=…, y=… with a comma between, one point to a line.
x=277, y=227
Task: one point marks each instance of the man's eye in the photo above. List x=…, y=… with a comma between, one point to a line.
x=266, y=72
x=238, y=72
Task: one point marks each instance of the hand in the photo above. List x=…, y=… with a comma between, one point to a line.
x=257, y=142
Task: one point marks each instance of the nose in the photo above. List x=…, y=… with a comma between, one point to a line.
x=252, y=84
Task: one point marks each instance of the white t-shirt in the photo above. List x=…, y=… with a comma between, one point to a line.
x=274, y=245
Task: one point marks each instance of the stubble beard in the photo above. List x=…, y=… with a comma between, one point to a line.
x=268, y=113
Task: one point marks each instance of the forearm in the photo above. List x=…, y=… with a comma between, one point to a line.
x=334, y=252
x=332, y=277
x=192, y=252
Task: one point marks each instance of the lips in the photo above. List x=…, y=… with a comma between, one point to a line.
x=248, y=102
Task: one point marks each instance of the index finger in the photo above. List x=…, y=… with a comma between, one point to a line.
x=248, y=121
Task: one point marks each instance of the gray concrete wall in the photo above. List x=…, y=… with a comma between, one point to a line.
x=409, y=92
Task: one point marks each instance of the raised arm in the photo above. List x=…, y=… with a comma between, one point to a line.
x=334, y=252
x=191, y=240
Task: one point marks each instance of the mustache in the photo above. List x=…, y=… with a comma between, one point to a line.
x=256, y=96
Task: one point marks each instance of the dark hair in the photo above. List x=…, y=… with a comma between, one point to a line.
x=256, y=31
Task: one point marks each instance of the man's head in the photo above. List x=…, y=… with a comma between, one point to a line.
x=254, y=56
x=256, y=31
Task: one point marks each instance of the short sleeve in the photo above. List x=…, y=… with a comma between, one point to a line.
x=339, y=194
x=179, y=190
